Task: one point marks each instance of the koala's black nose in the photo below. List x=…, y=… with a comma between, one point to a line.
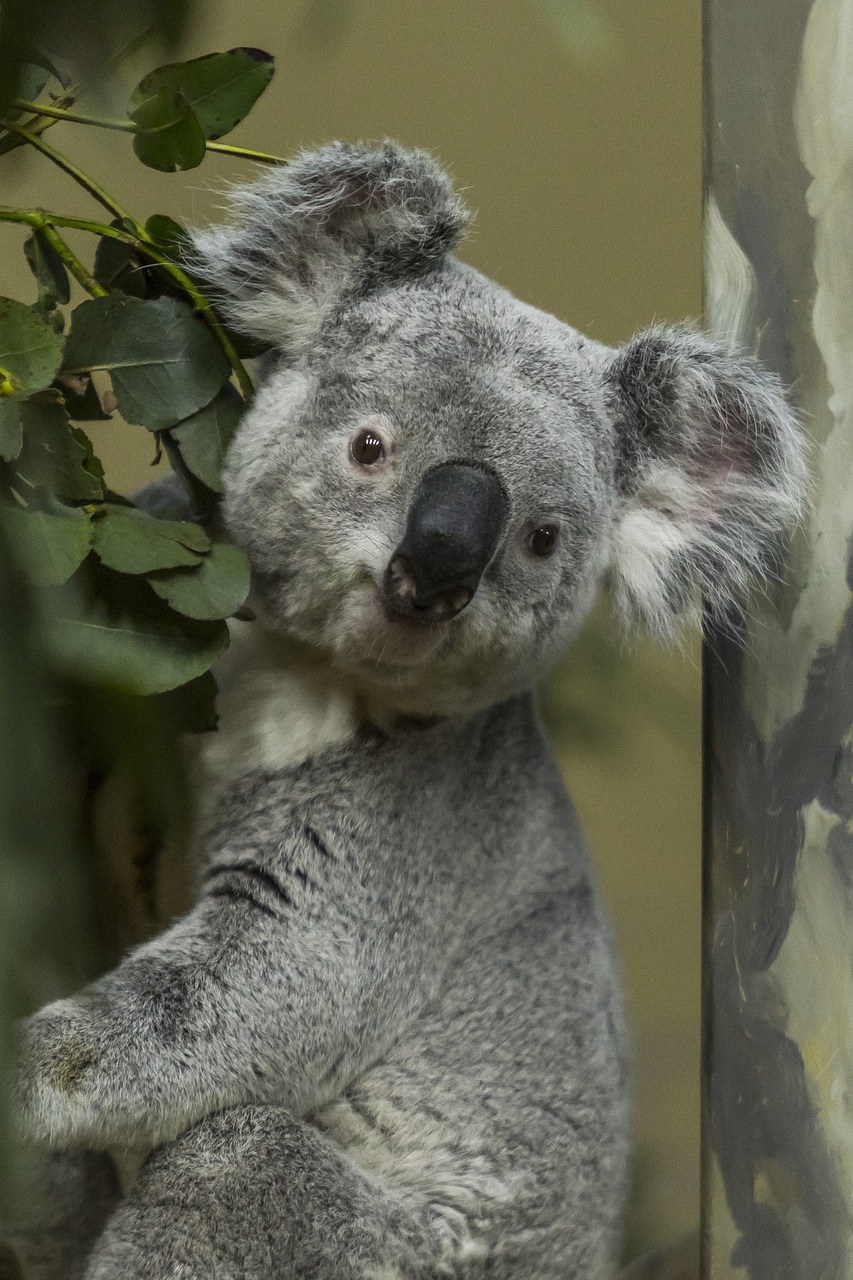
x=453, y=530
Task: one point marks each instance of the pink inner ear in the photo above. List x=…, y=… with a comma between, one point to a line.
x=727, y=455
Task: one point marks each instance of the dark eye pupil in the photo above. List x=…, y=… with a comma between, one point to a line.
x=543, y=540
x=367, y=448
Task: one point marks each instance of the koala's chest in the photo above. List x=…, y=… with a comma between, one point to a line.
x=272, y=715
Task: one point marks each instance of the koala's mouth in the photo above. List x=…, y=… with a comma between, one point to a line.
x=391, y=645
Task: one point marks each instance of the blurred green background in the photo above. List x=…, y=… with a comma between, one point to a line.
x=573, y=127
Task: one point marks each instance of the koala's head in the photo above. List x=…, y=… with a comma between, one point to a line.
x=435, y=477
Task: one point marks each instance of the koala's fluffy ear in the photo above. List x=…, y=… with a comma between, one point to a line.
x=336, y=221
x=710, y=474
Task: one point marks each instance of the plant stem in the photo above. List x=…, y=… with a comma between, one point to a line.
x=41, y=218
x=128, y=126
x=245, y=153
x=82, y=179
x=73, y=117
x=72, y=262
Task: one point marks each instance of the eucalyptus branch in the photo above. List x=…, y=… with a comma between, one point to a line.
x=128, y=126
x=95, y=190
x=72, y=262
x=41, y=218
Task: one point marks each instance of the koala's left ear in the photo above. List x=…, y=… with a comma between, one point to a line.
x=710, y=474
x=333, y=223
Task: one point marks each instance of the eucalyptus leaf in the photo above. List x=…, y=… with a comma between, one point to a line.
x=11, y=437
x=169, y=236
x=164, y=362
x=216, y=588
x=203, y=438
x=49, y=545
x=220, y=88
x=117, y=266
x=143, y=647
x=91, y=461
x=247, y=347
x=40, y=58
x=56, y=456
x=168, y=135
x=31, y=81
x=54, y=288
x=30, y=350
x=132, y=541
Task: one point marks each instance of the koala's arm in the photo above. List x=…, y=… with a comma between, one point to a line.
x=308, y=952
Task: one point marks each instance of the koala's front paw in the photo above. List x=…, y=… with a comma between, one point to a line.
x=143, y=1052
x=171, y=1035
x=70, y=1057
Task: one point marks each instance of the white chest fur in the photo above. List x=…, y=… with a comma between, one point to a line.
x=275, y=707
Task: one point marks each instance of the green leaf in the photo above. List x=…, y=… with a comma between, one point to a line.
x=168, y=135
x=220, y=88
x=54, y=288
x=117, y=266
x=169, y=236
x=31, y=82
x=203, y=438
x=91, y=462
x=216, y=588
x=131, y=541
x=49, y=545
x=30, y=350
x=10, y=427
x=247, y=348
x=164, y=362
x=138, y=644
x=56, y=456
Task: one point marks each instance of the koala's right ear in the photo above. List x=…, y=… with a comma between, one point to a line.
x=337, y=221
x=711, y=473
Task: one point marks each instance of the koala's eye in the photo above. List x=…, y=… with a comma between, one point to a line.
x=367, y=448
x=542, y=541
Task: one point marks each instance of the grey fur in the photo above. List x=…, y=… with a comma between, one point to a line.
x=388, y=1042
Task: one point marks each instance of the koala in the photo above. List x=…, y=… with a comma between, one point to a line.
x=387, y=1042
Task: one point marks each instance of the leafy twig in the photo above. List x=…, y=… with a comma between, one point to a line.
x=72, y=262
x=41, y=218
x=95, y=190
x=128, y=126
